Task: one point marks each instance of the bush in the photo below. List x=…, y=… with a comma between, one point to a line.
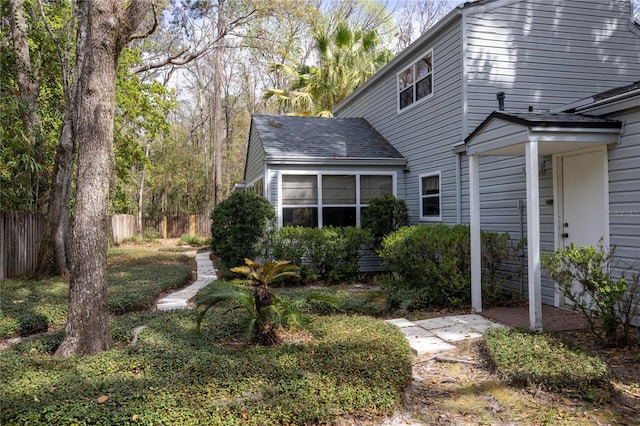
x=329, y=253
x=384, y=215
x=599, y=295
x=435, y=258
x=239, y=227
x=527, y=358
x=192, y=240
x=431, y=265
x=290, y=243
x=32, y=323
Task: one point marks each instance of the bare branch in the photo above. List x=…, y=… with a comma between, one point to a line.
x=184, y=57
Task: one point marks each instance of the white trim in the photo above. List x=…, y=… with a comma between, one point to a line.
x=533, y=235
x=424, y=218
x=476, y=246
x=319, y=174
x=413, y=84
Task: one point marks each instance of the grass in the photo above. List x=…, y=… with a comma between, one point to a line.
x=343, y=363
x=33, y=306
x=527, y=358
x=348, y=365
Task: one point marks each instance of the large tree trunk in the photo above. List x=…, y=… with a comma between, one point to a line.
x=217, y=115
x=54, y=252
x=108, y=29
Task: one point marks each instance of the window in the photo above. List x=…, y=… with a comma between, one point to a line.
x=415, y=82
x=300, y=200
x=338, y=201
x=430, y=196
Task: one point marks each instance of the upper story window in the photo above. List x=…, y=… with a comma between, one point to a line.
x=416, y=82
x=430, y=196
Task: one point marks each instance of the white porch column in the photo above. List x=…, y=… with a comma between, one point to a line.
x=476, y=255
x=533, y=235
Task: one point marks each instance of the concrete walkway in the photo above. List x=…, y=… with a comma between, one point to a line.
x=435, y=335
x=426, y=336
x=180, y=299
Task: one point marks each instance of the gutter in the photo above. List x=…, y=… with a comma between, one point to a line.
x=606, y=101
x=342, y=161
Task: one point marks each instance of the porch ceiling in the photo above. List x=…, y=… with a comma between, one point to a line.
x=506, y=134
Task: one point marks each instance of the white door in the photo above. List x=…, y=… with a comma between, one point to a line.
x=584, y=199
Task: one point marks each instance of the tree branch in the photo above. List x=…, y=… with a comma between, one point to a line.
x=150, y=30
x=184, y=57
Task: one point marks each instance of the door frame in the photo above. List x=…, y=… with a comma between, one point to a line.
x=558, y=205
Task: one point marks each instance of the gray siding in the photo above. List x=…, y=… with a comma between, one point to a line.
x=624, y=190
x=548, y=53
x=425, y=132
x=254, y=168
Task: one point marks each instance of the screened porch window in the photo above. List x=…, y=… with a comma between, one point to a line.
x=338, y=201
x=300, y=200
x=430, y=196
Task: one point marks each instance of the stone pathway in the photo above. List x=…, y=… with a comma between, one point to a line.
x=180, y=299
x=426, y=336
x=435, y=335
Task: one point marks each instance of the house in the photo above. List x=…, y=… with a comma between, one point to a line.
x=483, y=108
x=320, y=171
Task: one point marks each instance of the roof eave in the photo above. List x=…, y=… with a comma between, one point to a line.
x=333, y=161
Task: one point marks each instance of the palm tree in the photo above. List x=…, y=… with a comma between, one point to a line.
x=265, y=315
x=347, y=57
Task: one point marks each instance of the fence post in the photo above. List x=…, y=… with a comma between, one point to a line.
x=192, y=228
x=164, y=227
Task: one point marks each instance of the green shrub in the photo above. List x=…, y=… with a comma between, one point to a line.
x=150, y=235
x=435, y=258
x=431, y=265
x=239, y=227
x=32, y=323
x=290, y=243
x=528, y=358
x=192, y=240
x=329, y=253
x=598, y=295
x=384, y=215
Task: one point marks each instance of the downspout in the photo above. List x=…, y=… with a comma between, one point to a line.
x=458, y=188
x=521, y=255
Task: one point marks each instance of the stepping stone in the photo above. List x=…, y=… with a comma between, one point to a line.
x=456, y=333
x=435, y=323
x=401, y=322
x=428, y=345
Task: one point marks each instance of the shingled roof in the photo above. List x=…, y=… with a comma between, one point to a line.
x=321, y=138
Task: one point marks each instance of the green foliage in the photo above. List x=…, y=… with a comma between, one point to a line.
x=434, y=259
x=384, y=215
x=354, y=366
x=347, y=57
x=135, y=279
x=26, y=162
x=526, y=358
x=431, y=265
x=598, y=294
x=239, y=227
x=143, y=107
x=329, y=253
x=192, y=240
x=266, y=311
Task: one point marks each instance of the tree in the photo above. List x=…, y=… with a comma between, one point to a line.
x=416, y=17
x=347, y=57
x=106, y=27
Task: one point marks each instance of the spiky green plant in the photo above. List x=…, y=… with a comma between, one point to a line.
x=266, y=310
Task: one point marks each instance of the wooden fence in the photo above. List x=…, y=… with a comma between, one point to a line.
x=20, y=236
